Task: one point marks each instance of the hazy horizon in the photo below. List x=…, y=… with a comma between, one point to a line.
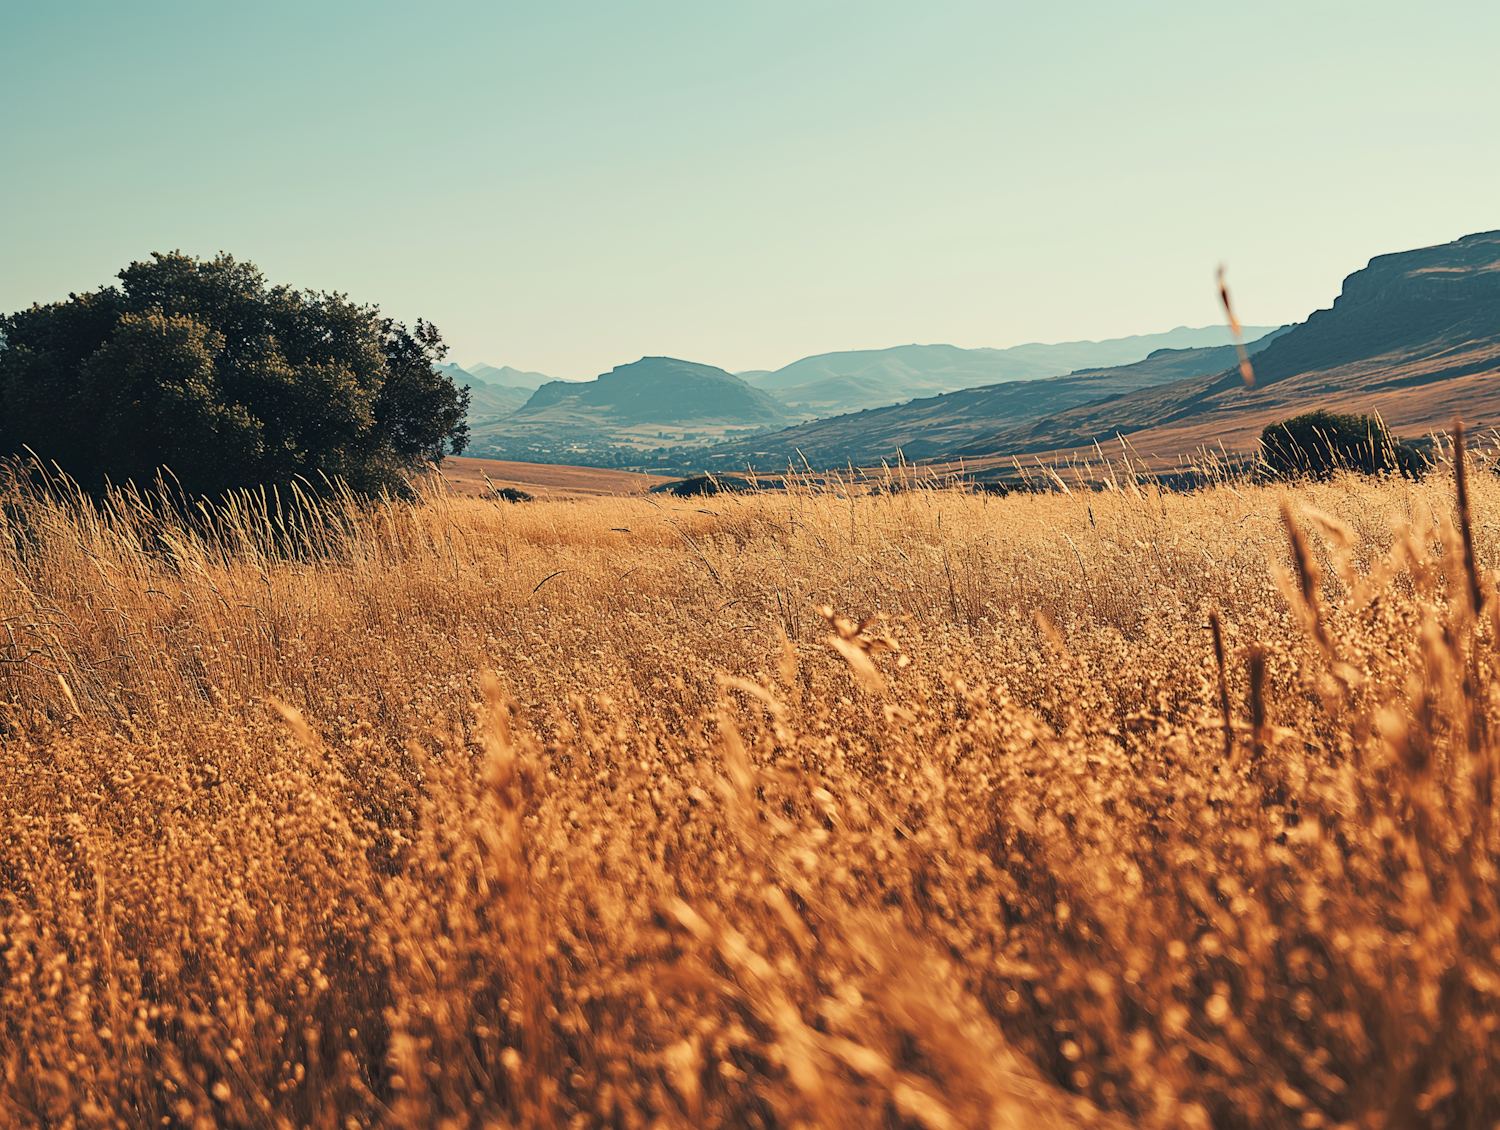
x=1251, y=333
x=560, y=188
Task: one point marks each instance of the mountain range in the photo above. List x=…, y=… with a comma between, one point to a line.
x=494, y=393
x=524, y=415
x=830, y=384
x=933, y=426
x=503, y=377
x=629, y=409
x=833, y=383
x=1413, y=335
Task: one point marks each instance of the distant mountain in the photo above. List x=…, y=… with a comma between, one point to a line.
x=508, y=377
x=655, y=390
x=834, y=383
x=933, y=425
x=503, y=377
x=631, y=409
x=490, y=402
x=1414, y=336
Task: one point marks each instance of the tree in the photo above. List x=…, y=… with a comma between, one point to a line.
x=417, y=410
x=1319, y=443
x=200, y=367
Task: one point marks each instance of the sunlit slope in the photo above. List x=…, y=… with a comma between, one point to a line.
x=931, y=426
x=1414, y=336
x=831, y=384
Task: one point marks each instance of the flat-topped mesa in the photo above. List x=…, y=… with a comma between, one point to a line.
x=1413, y=336
x=1448, y=294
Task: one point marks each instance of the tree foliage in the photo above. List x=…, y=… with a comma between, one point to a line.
x=1315, y=444
x=200, y=367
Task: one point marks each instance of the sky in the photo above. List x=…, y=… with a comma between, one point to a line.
x=568, y=186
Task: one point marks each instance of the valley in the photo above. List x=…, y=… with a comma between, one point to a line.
x=1414, y=336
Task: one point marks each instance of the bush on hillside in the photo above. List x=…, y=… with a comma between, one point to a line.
x=200, y=368
x=700, y=485
x=1316, y=444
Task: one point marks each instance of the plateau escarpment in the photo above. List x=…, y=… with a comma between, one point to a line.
x=1414, y=336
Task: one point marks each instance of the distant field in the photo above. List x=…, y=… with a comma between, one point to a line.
x=543, y=480
x=808, y=808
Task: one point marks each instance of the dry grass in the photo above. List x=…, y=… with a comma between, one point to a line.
x=481, y=478
x=278, y=853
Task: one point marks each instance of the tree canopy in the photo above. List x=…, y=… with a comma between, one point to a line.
x=1318, y=443
x=200, y=367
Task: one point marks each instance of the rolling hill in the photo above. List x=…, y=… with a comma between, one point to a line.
x=1414, y=335
x=654, y=390
x=631, y=407
x=480, y=478
x=493, y=392
x=936, y=425
x=503, y=377
x=490, y=402
x=830, y=384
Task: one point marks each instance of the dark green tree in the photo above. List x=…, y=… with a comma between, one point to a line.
x=1319, y=443
x=199, y=367
x=417, y=411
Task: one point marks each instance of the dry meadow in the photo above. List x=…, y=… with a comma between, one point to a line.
x=808, y=808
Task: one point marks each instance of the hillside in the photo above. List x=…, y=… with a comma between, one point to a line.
x=1414, y=336
x=831, y=384
x=822, y=386
x=490, y=402
x=654, y=390
x=493, y=392
x=503, y=377
x=938, y=424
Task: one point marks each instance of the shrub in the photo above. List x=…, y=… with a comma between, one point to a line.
x=1318, y=443
x=700, y=485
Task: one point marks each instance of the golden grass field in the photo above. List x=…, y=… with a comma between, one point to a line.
x=480, y=478
x=582, y=813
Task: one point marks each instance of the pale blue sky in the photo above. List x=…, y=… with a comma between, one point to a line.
x=569, y=186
